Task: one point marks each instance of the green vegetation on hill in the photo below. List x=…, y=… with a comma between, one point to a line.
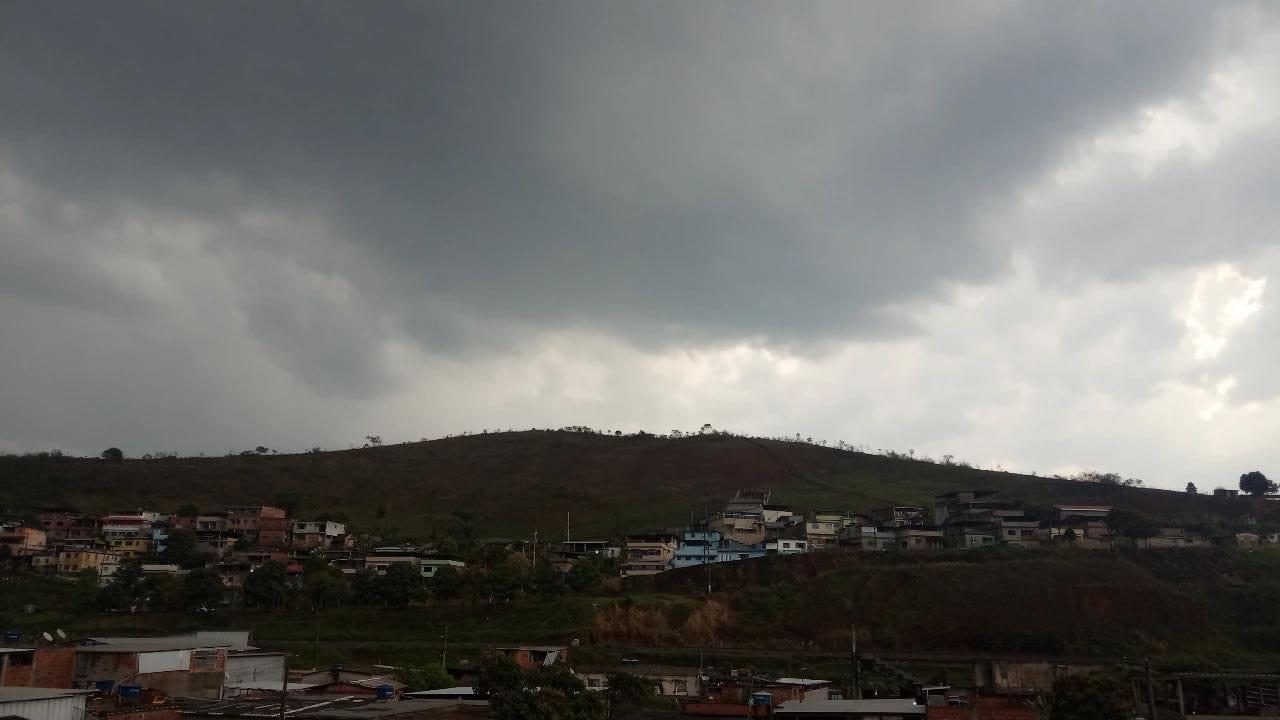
x=1209, y=603
x=1184, y=608
x=519, y=482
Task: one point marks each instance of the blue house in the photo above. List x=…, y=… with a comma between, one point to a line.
x=731, y=550
x=698, y=546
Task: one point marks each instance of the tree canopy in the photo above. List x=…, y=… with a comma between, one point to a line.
x=1256, y=484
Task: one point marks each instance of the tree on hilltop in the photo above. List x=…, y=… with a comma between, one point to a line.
x=1256, y=484
x=113, y=454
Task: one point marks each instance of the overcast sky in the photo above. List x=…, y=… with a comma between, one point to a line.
x=1042, y=236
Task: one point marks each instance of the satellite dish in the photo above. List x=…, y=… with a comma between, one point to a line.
x=47, y=637
x=61, y=635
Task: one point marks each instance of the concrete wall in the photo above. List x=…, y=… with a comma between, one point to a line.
x=164, y=661
x=1006, y=675
x=254, y=668
x=184, y=684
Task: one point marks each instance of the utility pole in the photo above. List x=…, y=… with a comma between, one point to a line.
x=444, y=654
x=1151, y=694
x=855, y=667
x=284, y=687
x=566, y=526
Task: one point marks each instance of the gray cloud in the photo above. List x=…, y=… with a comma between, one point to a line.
x=354, y=207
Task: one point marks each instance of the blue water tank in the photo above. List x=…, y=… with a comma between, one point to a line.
x=130, y=693
x=12, y=636
x=761, y=698
x=385, y=692
x=104, y=686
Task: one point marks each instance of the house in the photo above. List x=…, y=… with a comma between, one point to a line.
x=669, y=681
x=917, y=538
x=312, y=534
x=869, y=538
x=748, y=528
x=529, y=657
x=210, y=532
x=571, y=551
x=961, y=503
x=824, y=528
x=178, y=666
x=130, y=533
x=72, y=560
x=748, y=502
x=698, y=546
x=262, y=525
x=1018, y=533
x=649, y=553
x=739, y=687
x=898, y=515
x=1225, y=493
x=879, y=709
x=1169, y=537
x=777, y=514
x=47, y=666
x=70, y=526
x=22, y=541
x=340, y=680
x=429, y=565
x=969, y=534
x=731, y=550
x=382, y=558
x=1067, y=513
x=43, y=703
x=786, y=546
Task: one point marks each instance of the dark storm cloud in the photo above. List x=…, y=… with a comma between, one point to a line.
x=231, y=224
x=664, y=171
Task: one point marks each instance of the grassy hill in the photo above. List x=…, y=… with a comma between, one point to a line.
x=1209, y=604
x=519, y=482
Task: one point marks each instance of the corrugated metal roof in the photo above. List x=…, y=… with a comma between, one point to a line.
x=815, y=707
x=25, y=694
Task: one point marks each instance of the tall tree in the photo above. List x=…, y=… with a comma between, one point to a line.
x=1191, y=488
x=323, y=584
x=113, y=454
x=1256, y=484
x=202, y=589
x=267, y=587
x=400, y=585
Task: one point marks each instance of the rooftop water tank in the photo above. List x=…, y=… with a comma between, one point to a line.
x=385, y=692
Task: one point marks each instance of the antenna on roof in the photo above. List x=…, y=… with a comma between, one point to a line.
x=61, y=635
x=47, y=637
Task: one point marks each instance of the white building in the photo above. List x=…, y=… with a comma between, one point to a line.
x=42, y=703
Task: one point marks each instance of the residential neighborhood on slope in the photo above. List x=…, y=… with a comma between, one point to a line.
x=240, y=539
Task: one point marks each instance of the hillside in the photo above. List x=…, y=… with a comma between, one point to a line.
x=1212, y=603
x=519, y=482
